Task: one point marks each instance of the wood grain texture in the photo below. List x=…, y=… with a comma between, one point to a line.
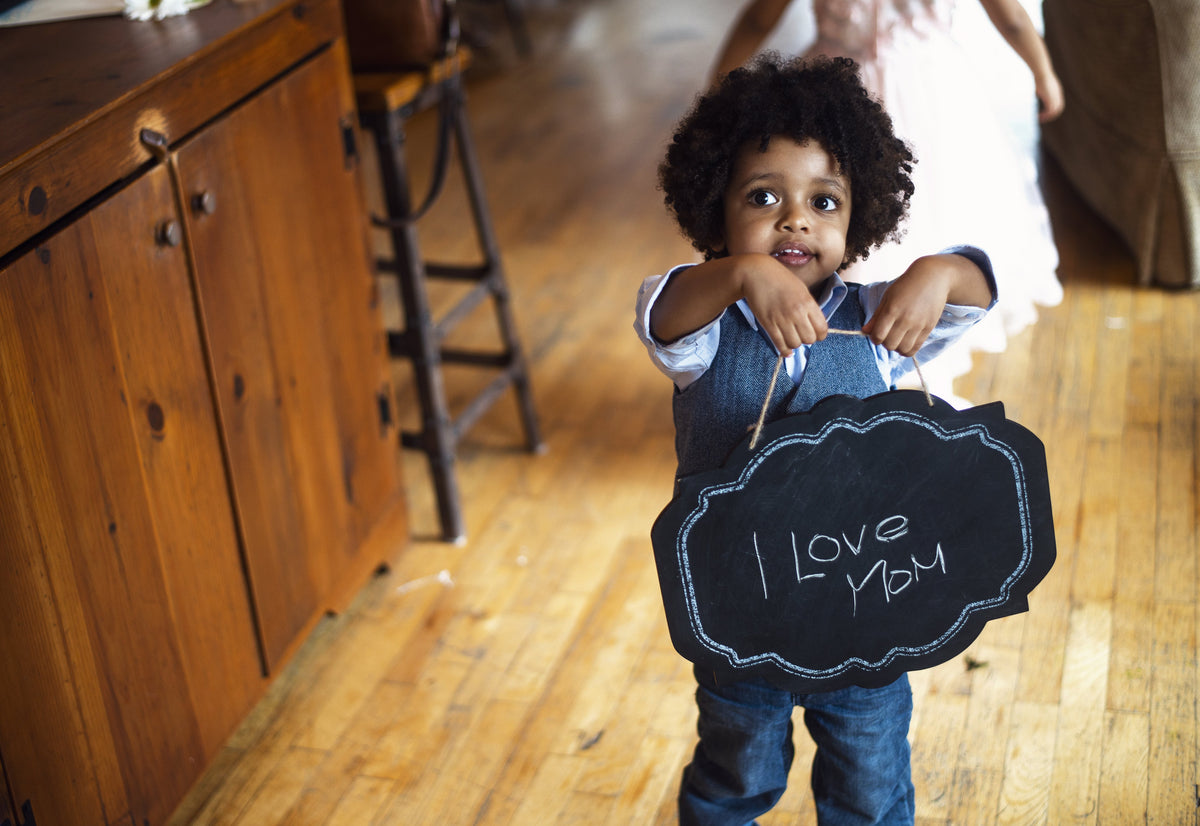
x=72, y=127
x=129, y=627
x=534, y=682
x=289, y=317
x=122, y=551
x=171, y=414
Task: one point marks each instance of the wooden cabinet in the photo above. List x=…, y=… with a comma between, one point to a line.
x=195, y=455
x=297, y=349
x=128, y=637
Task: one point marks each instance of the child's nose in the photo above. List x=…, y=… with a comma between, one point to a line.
x=793, y=219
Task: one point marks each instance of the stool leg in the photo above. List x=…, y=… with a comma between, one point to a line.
x=517, y=367
x=419, y=339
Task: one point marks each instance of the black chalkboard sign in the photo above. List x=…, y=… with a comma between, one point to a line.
x=857, y=541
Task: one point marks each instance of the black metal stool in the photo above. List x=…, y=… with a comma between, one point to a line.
x=385, y=103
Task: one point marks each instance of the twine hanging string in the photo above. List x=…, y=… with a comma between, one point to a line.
x=762, y=414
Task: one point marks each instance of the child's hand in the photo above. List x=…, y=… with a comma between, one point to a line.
x=910, y=309
x=913, y=303
x=782, y=303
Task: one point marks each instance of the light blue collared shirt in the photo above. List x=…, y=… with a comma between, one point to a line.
x=687, y=359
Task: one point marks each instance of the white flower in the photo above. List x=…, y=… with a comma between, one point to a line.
x=158, y=9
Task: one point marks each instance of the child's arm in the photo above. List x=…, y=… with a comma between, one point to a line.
x=783, y=305
x=1012, y=21
x=756, y=21
x=913, y=303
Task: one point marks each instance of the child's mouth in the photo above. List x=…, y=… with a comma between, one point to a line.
x=793, y=255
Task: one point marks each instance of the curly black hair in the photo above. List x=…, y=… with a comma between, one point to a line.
x=818, y=99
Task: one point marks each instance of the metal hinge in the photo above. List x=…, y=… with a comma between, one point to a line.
x=349, y=142
x=385, y=410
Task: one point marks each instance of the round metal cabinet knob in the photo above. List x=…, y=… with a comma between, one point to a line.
x=204, y=203
x=168, y=233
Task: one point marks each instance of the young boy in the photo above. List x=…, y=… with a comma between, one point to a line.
x=782, y=175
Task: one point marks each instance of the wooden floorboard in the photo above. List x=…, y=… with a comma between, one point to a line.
x=526, y=676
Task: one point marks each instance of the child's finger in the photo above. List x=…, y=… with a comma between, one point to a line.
x=912, y=340
x=812, y=324
x=785, y=342
x=903, y=338
x=877, y=328
x=791, y=336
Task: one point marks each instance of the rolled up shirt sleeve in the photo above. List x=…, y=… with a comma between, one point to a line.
x=686, y=359
x=955, y=320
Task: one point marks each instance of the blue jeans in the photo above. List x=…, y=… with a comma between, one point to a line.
x=861, y=773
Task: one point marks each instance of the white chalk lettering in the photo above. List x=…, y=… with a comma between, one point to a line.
x=856, y=549
x=939, y=561
x=762, y=574
x=892, y=587
x=892, y=528
x=837, y=548
x=880, y=565
x=894, y=580
x=826, y=550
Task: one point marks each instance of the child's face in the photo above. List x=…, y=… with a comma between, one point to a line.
x=790, y=202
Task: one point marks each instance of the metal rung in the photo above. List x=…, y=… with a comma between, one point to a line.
x=450, y=272
x=463, y=308
x=477, y=359
x=484, y=400
x=460, y=272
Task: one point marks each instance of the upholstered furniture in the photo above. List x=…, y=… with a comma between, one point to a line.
x=1129, y=140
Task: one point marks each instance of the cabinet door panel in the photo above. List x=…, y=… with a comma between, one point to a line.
x=54, y=729
x=122, y=563
x=170, y=401
x=296, y=341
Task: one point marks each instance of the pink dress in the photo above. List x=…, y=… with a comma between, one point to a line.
x=974, y=183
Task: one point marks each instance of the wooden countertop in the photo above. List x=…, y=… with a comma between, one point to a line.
x=77, y=93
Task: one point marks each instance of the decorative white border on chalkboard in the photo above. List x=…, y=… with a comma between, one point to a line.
x=763, y=453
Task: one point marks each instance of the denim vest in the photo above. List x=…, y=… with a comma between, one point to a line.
x=717, y=410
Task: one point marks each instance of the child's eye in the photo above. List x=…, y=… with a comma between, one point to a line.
x=763, y=197
x=825, y=203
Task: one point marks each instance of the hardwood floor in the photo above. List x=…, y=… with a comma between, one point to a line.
x=526, y=677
